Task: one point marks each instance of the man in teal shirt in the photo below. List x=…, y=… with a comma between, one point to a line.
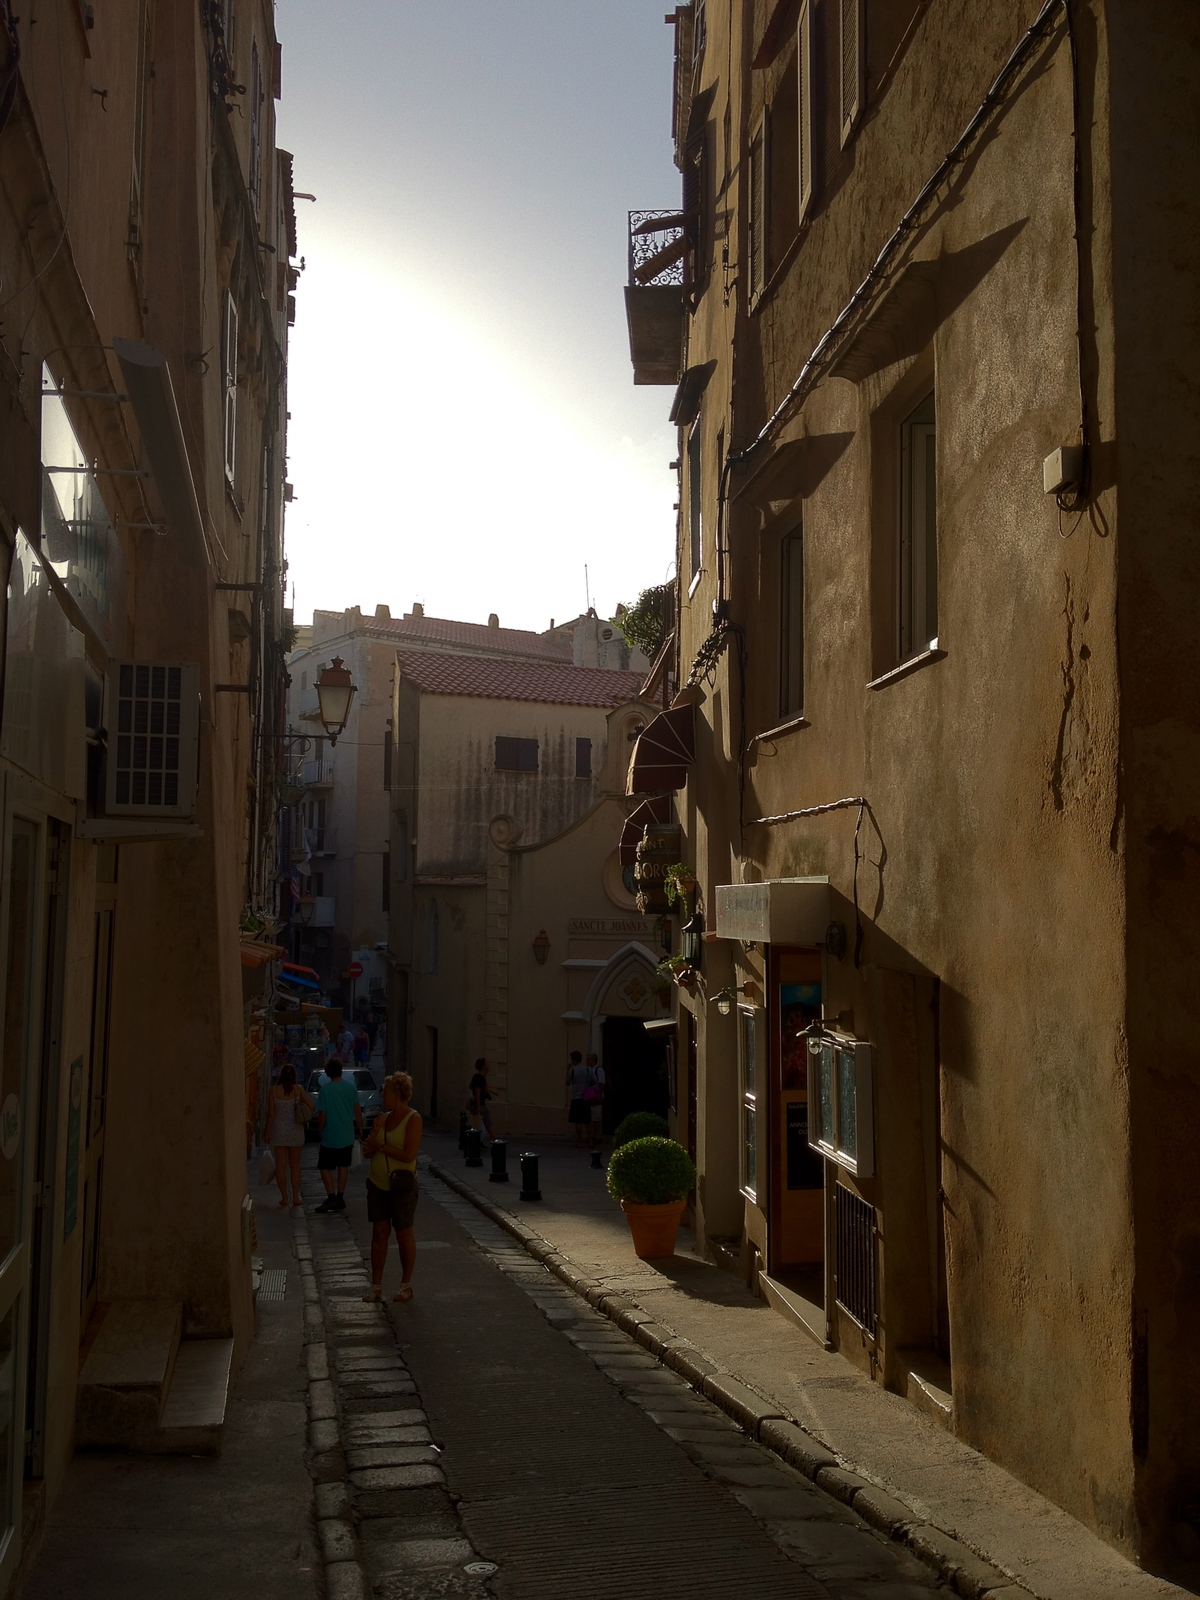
x=339, y=1118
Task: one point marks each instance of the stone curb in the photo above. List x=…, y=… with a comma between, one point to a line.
x=972, y=1577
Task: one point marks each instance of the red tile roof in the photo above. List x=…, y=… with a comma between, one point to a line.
x=556, y=683
x=475, y=636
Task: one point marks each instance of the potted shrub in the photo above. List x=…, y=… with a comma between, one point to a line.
x=640, y=1125
x=651, y=1178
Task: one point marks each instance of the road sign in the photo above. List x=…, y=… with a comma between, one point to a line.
x=355, y=969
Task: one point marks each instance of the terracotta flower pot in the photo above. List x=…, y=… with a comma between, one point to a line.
x=653, y=1227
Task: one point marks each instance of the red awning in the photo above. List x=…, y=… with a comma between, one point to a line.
x=664, y=751
x=257, y=952
x=304, y=972
x=656, y=810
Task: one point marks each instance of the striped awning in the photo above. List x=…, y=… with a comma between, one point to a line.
x=656, y=810
x=665, y=749
x=257, y=952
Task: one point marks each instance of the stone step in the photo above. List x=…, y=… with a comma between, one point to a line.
x=193, y=1417
x=126, y=1375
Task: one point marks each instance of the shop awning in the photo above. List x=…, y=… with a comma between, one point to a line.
x=257, y=952
x=656, y=810
x=665, y=749
x=304, y=972
x=298, y=981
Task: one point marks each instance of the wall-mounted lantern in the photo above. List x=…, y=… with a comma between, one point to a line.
x=724, y=998
x=305, y=907
x=541, y=947
x=335, y=691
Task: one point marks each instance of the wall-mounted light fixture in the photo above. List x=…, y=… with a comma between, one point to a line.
x=724, y=999
x=305, y=907
x=335, y=692
x=541, y=947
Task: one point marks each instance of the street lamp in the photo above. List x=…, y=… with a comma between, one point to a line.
x=335, y=691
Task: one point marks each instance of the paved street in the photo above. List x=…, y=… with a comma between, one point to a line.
x=137, y=1527
x=570, y=1458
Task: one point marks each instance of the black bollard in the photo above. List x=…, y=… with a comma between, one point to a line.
x=462, y=1131
x=474, y=1147
x=499, y=1172
x=596, y=1163
x=529, y=1177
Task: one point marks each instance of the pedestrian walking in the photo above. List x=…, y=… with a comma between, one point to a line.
x=339, y=1119
x=392, y=1183
x=594, y=1095
x=325, y=1042
x=480, y=1096
x=345, y=1040
x=285, y=1131
x=362, y=1046
x=579, y=1113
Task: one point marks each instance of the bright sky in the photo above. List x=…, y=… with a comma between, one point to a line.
x=465, y=430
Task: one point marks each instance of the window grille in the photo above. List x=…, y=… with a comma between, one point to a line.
x=852, y=74
x=153, y=722
x=855, y=1262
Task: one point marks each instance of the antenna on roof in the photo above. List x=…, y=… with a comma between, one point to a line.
x=587, y=587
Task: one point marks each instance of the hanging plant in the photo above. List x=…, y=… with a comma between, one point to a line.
x=678, y=881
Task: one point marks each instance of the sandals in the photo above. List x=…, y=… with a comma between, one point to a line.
x=375, y=1295
x=405, y=1292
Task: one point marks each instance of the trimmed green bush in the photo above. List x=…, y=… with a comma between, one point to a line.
x=640, y=1125
x=650, y=1172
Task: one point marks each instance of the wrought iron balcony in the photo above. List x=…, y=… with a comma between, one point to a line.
x=658, y=251
x=657, y=247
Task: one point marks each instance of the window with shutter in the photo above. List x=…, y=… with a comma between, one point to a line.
x=804, y=94
x=791, y=624
x=583, y=758
x=852, y=29
x=229, y=375
x=695, y=501
x=757, y=229
x=256, y=105
x=917, y=564
x=516, y=755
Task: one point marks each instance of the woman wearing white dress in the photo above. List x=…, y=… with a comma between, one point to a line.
x=285, y=1133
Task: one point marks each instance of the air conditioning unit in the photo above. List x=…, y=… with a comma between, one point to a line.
x=153, y=722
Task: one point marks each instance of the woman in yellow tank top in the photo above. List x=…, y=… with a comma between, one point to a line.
x=392, y=1146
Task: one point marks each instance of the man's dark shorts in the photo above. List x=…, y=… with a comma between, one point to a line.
x=330, y=1158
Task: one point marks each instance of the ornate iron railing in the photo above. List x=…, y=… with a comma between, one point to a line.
x=657, y=248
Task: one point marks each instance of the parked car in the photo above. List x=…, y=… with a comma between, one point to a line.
x=369, y=1097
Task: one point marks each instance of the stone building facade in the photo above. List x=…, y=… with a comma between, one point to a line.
x=515, y=934
x=928, y=307
x=146, y=236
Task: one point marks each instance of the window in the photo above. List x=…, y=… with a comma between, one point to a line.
x=750, y=1041
x=695, y=504
x=917, y=618
x=699, y=30
x=516, y=755
x=387, y=758
x=229, y=379
x=583, y=758
x=757, y=210
x=805, y=120
x=154, y=710
x=140, y=117
x=318, y=883
x=387, y=880
x=844, y=1128
x=783, y=167
x=229, y=27
x=851, y=63
x=791, y=624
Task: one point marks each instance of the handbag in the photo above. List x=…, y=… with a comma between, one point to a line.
x=593, y=1093
x=304, y=1111
x=266, y=1167
x=403, y=1181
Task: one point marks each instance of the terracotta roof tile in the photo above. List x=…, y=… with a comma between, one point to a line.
x=476, y=636
x=556, y=683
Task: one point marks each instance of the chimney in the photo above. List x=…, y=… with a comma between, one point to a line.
x=493, y=620
x=383, y=614
x=418, y=609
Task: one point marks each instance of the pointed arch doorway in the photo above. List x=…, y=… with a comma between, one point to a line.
x=620, y=1002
